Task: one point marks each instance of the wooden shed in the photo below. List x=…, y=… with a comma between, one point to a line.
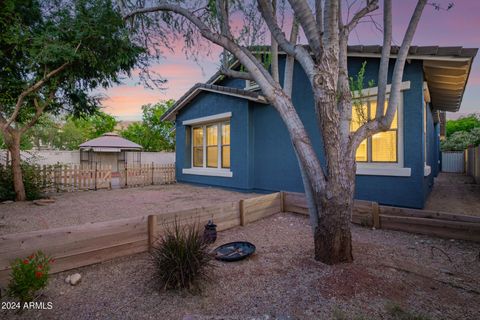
x=110, y=149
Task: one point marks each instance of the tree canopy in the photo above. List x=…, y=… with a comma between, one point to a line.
x=152, y=133
x=466, y=123
x=53, y=54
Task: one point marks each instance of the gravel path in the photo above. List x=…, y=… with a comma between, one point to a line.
x=282, y=281
x=95, y=206
x=455, y=193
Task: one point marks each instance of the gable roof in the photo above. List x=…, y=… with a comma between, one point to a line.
x=446, y=71
x=110, y=141
x=199, y=87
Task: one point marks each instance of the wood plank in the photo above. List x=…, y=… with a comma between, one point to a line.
x=439, y=228
x=387, y=210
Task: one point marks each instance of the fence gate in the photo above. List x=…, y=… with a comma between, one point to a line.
x=453, y=161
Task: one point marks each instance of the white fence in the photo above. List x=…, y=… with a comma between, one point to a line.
x=51, y=157
x=453, y=161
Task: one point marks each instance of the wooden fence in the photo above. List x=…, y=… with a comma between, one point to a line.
x=81, y=245
x=367, y=213
x=147, y=174
x=69, y=178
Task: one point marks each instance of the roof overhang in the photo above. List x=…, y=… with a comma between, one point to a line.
x=199, y=87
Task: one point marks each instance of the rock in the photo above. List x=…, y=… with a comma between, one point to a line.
x=67, y=279
x=75, y=279
x=7, y=202
x=43, y=202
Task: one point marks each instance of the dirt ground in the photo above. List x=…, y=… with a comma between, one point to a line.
x=95, y=206
x=455, y=193
x=393, y=274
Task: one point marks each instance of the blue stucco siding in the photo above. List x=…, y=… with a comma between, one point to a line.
x=207, y=104
x=262, y=156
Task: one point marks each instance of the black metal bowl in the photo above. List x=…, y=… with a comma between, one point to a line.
x=234, y=251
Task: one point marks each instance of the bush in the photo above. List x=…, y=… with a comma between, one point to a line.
x=28, y=276
x=181, y=258
x=32, y=181
x=461, y=140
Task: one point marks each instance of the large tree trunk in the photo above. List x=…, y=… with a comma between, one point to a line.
x=333, y=239
x=13, y=144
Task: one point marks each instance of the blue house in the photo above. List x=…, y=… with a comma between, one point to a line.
x=227, y=135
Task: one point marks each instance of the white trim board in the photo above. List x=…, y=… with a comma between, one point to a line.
x=215, y=117
x=383, y=171
x=374, y=91
x=208, y=172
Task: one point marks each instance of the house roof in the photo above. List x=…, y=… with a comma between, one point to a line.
x=110, y=142
x=199, y=87
x=446, y=71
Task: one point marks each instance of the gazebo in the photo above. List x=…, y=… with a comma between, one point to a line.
x=110, y=149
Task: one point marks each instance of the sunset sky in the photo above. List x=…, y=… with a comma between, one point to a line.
x=459, y=26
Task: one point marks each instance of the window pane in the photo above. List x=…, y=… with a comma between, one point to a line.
x=198, y=156
x=226, y=157
x=361, y=155
x=359, y=116
x=197, y=136
x=212, y=156
x=384, y=146
x=226, y=133
x=373, y=110
x=212, y=135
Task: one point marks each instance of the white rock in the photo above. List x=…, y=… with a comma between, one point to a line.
x=75, y=279
x=67, y=279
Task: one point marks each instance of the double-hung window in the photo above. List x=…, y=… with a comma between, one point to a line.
x=211, y=149
x=381, y=147
x=382, y=153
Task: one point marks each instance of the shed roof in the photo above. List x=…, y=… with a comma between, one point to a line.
x=110, y=142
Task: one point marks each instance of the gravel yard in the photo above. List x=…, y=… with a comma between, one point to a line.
x=420, y=275
x=455, y=193
x=95, y=206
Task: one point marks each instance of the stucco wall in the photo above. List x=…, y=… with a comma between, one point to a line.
x=207, y=104
x=262, y=153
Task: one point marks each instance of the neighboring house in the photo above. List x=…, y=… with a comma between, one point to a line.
x=109, y=149
x=228, y=136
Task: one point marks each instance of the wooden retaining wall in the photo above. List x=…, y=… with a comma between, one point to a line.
x=82, y=245
x=434, y=223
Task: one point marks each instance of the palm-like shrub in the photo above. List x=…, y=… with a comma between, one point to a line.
x=181, y=257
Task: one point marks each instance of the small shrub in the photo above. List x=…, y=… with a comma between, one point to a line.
x=32, y=181
x=28, y=276
x=181, y=257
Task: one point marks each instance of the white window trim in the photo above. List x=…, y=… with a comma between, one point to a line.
x=369, y=92
x=383, y=170
x=203, y=122
x=249, y=86
x=214, y=118
x=396, y=169
x=208, y=172
x=427, y=170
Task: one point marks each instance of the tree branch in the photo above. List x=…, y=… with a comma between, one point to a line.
x=385, y=59
x=297, y=51
x=32, y=89
x=305, y=17
x=383, y=123
x=370, y=6
x=236, y=74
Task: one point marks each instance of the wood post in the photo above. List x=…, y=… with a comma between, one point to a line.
x=376, y=215
x=242, y=213
x=152, y=231
x=282, y=201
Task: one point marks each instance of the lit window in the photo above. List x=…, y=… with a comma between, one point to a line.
x=381, y=147
x=212, y=143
